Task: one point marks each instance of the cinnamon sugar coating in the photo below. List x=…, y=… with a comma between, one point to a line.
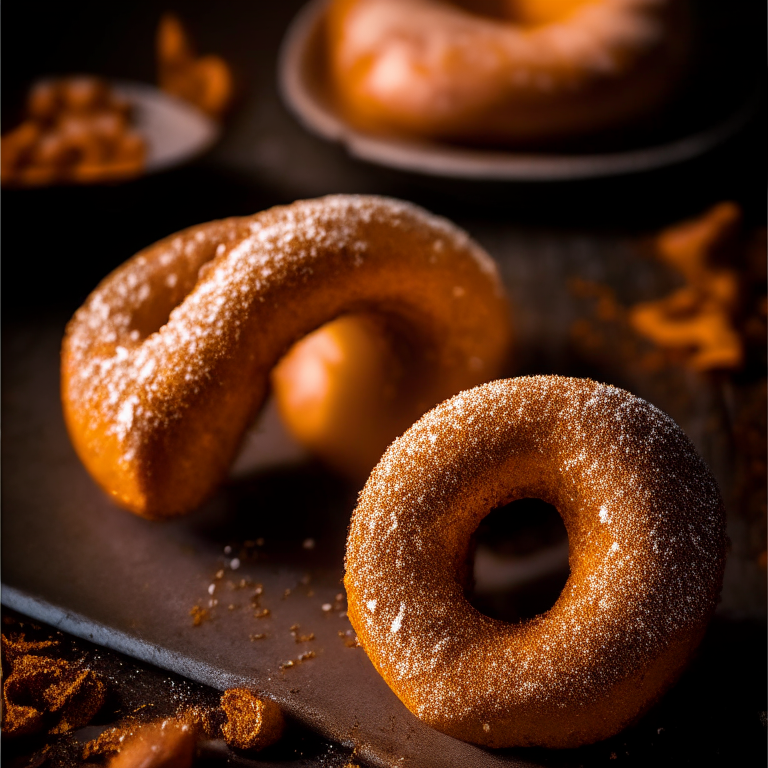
x=167, y=362
x=646, y=528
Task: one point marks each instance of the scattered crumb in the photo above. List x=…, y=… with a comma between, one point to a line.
x=707, y=323
x=252, y=723
x=294, y=662
x=204, y=81
x=698, y=319
x=350, y=638
x=199, y=615
x=165, y=744
x=42, y=692
x=300, y=638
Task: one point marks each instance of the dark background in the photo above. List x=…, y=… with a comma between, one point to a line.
x=59, y=242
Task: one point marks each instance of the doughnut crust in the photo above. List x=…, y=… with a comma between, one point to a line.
x=540, y=71
x=167, y=363
x=646, y=530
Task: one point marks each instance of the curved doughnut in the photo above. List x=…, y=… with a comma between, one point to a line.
x=168, y=361
x=646, y=529
x=540, y=71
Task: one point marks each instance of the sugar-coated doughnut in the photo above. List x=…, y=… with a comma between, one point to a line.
x=168, y=361
x=504, y=71
x=646, y=529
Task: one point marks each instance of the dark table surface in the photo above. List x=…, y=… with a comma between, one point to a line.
x=59, y=242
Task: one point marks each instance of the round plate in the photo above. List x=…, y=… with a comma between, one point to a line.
x=175, y=131
x=305, y=91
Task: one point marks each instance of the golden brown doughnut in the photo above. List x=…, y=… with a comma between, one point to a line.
x=348, y=389
x=514, y=71
x=646, y=528
x=168, y=361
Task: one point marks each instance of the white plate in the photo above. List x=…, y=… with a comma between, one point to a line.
x=174, y=130
x=301, y=73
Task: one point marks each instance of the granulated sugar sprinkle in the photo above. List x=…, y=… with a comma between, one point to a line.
x=646, y=531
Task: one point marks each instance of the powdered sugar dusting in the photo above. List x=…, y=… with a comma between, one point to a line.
x=398, y=620
x=225, y=300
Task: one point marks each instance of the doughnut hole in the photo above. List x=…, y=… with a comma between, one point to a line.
x=347, y=390
x=520, y=560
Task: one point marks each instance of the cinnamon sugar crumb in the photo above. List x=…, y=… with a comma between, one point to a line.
x=350, y=638
x=298, y=637
x=697, y=318
x=199, y=615
x=42, y=692
x=252, y=723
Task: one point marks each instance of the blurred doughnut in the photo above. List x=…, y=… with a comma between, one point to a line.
x=504, y=72
x=347, y=390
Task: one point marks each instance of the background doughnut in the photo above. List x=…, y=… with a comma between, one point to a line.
x=168, y=361
x=477, y=71
x=646, y=530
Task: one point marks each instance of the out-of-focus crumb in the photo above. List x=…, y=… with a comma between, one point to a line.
x=205, y=82
x=698, y=319
x=198, y=614
x=164, y=744
x=78, y=130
